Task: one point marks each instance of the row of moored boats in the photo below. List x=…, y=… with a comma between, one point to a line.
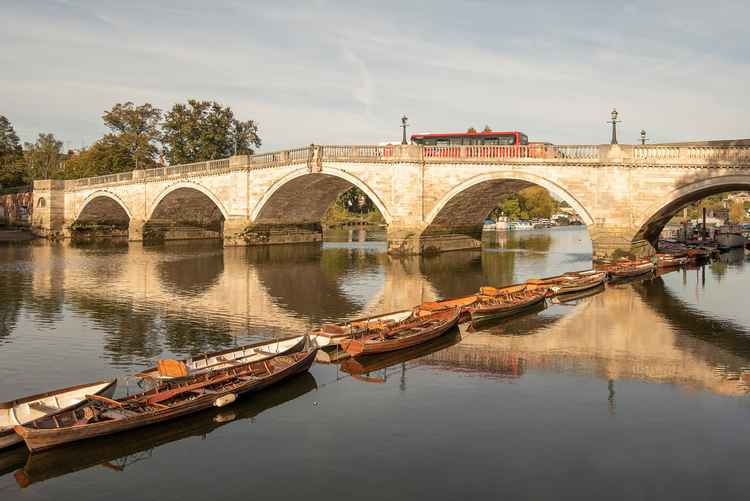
x=180, y=387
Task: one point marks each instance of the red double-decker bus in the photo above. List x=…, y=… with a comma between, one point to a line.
x=486, y=144
x=488, y=138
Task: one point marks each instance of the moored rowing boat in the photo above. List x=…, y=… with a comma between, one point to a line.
x=416, y=331
x=27, y=409
x=631, y=269
x=336, y=334
x=574, y=281
x=255, y=352
x=101, y=416
x=506, y=305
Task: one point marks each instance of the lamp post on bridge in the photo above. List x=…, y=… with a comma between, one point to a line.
x=643, y=137
x=614, y=122
x=404, y=124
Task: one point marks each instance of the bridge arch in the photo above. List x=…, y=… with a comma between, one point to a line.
x=658, y=214
x=104, y=207
x=281, y=202
x=186, y=185
x=476, y=196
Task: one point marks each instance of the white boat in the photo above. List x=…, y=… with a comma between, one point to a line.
x=520, y=226
x=730, y=237
x=255, y=352
x=334, y=334
x=27, y=409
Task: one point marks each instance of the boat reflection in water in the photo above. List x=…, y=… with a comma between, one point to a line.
x=361, y=368
x=118, y=451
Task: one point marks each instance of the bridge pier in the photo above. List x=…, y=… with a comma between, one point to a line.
x=135, y=230
x=405, y=241
x=613, y=242
x=244, y=233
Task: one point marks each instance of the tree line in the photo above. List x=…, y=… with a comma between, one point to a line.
x=139, y=137
x=533, y=202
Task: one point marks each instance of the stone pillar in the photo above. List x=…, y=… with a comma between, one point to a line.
x=135, y=230
x=613, y=242
x=48, y=216
x=405, y=241
x=233, y=231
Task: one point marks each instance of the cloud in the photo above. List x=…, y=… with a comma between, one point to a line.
x=345, y=72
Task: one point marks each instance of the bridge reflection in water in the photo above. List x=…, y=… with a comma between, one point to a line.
x=187, y=299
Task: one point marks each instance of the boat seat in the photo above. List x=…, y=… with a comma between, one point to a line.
x=41, y=407
x=118, y=414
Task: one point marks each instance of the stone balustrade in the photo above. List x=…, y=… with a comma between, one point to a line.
x=538, y=154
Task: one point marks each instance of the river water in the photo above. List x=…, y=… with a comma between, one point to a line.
x=638, y=392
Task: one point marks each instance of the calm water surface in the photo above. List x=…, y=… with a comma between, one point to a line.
x=638, y=392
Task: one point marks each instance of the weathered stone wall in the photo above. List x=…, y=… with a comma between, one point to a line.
x=430, y=203
x=16, y=209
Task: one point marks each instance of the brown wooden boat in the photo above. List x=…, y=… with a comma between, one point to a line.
x=506, y=305
x=101, y=416
x=26, y=409
x=361, y=367
x=406, y=334
x=464, y=303
x=669, y=260
x=117, y=454
x=629, y=269
x=574, y=281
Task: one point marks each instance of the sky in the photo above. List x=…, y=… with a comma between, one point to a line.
x=331, y=72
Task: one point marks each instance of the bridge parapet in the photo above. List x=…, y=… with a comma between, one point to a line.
x=708, y=156
x=650, y=155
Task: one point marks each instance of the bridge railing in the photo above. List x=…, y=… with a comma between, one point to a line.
x=533, y=153
x=286, y=157
x=692, y=155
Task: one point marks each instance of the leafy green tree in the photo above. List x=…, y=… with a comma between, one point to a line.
x=537, y=202
x=106, y=156
x=737, y=213
x=43, y=158
x=11, y=156
x=205, y=130
x=135, y=129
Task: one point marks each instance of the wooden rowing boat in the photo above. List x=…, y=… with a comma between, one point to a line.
x=417, y=331
x=631, y=269
x=101, y=416
x=667, y=260
x=336, y=334
x=231, y=357
x=26, y=409
x=117, y=454
x=506, y=305
x=571, y=282
x=361, y=367
x=464, y=303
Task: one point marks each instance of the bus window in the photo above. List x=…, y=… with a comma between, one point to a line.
x=524, y=139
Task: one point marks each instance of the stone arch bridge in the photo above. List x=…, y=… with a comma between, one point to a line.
x=433, y=198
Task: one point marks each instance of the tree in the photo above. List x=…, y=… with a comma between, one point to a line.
x=203, y=130
x=106, y=156
x=11, y=155
x=471, y=130
x=737, y=213
x=537, y=202
x=487, y=129
x=135, y=129
x=43, y=157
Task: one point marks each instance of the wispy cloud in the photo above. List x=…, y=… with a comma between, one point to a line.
x=342, y=72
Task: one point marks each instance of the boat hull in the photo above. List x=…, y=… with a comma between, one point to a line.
x=483, y=314
x=359, y=347
x=41, y=439
x=8, y=435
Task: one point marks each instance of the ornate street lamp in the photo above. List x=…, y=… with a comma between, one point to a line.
x=643, y=136
x=404, y=124
x=614, y=122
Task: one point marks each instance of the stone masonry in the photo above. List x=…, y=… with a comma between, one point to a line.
x=432, y=198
